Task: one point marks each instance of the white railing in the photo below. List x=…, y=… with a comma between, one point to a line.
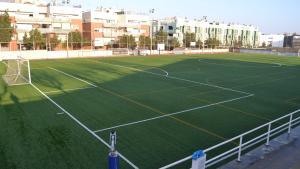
x=243, y=145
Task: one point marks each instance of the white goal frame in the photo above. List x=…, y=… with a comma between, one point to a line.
x=20, y=70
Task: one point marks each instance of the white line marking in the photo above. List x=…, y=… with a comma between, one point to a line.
x=166, y=73
x=274, y=64
x=83, y=126
x=177, y=78
x=277, y=65
x=172, y=114
x=68, y=90
x=60, y=113
x=37, y=68
x=67, y=74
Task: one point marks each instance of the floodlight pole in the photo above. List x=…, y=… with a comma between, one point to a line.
x=151, y=30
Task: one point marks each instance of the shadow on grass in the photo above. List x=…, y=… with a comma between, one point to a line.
x=121, y=81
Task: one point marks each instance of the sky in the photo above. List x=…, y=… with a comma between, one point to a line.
x=271, y=16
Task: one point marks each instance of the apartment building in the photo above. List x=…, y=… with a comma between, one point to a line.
x=227, y=34
x=271, y=40
x=48, y=18
x=101, y=26
x=104, y=26
x=135, y=24
x=292, y=41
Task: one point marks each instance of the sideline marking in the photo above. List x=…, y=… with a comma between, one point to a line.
x=83, y=126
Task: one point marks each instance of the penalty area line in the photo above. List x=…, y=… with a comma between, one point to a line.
x=171, y=114
x=68, y=90
x=67, y=74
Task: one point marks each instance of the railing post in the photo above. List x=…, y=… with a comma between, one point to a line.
x=198, y=160
x=240, y=149
x=290, y=124
x=269, y=133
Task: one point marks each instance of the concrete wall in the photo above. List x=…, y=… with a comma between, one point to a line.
x=270, y=52
x=43, y=54
x=181, y=52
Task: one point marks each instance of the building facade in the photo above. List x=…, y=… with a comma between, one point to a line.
x=227, y=34
x=49, y=19
x=104, y=26
x=100, y=26
x=271, y=40
x=292, y=41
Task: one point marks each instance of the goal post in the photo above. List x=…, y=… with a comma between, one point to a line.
x=17, y=71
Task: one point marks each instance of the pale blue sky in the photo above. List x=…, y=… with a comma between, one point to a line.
x=271, y=16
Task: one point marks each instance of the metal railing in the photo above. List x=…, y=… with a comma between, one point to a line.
x=292, y=121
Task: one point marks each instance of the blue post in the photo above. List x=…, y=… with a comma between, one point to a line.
x=113, y=160
x=113, y=157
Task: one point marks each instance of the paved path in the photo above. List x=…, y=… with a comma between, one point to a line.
x=283, y=153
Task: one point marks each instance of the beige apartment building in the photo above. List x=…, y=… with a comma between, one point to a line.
x=48, y=18
x=104, y=26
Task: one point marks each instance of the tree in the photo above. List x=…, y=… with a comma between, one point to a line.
x=174, y=43
x=27, y=42
x=6, y=30
x=161, y=37
x=54, y=41
x=212, y=42
x=238, y=44
x=199, y=44
x=264, y=44
x=126, y=41
x=35, y=40
x=188, y=38
x=75, y=39
x=144, y=42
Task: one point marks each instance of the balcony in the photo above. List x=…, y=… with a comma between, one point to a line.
x=42, y=20
x=47, y=30
x=110, y=25
x=111, y=34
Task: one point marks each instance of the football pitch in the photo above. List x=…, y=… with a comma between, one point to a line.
x=163, y=108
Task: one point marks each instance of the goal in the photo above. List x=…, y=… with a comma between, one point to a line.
x=17, y=72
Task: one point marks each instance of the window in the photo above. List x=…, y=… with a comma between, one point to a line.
x=170, y=27
x=30, y=15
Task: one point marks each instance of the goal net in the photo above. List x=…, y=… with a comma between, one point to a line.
x=17, y=72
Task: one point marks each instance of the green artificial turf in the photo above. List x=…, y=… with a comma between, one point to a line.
x=110, y=92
